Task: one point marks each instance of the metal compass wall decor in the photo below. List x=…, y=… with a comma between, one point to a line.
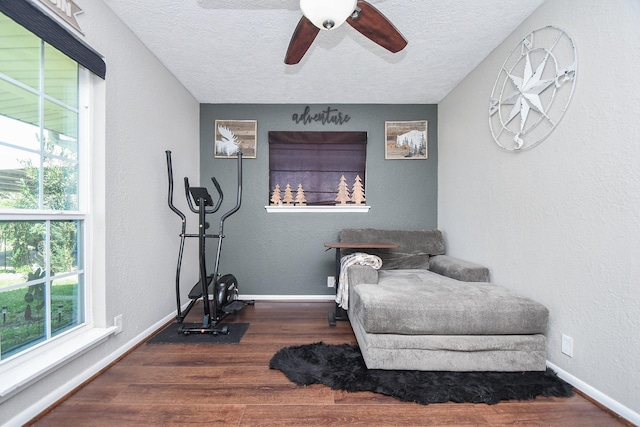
x=533, y=89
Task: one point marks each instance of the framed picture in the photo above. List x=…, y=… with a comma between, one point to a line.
x=405, y=140
x=234, y=135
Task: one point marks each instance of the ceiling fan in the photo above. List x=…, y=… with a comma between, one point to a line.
x=330, y=14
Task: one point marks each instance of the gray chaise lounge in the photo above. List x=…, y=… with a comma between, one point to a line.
x=427, y=311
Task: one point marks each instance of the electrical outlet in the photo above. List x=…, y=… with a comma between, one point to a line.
x=331, y=282
x=117, y=322
x=567, y=345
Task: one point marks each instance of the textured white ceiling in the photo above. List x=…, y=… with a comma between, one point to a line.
x=232, y=51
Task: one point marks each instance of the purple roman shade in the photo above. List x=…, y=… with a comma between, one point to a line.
x=316, y=160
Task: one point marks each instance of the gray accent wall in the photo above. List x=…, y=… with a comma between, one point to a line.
x=282, y=253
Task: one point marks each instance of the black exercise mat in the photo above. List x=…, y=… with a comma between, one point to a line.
x=170, y=335
x=342, y=367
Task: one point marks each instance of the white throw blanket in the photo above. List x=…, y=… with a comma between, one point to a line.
x=358, y=258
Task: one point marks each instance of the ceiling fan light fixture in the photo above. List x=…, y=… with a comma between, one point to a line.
x=327, y=14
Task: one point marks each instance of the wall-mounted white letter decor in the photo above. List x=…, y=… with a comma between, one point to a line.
x=533, y=89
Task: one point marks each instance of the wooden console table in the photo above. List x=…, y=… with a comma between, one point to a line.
x=340, y=313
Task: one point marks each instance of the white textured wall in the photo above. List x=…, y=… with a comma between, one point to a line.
x=147, y=112
x=560, y=223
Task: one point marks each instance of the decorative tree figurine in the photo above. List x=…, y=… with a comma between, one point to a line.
x=288, y=196
x=343, y=192
x=300, y=199
x=357, y=195
x=275, y=197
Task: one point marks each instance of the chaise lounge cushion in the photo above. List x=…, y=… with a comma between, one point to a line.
x=458, y=269
x=415, y=246
x=420, y=302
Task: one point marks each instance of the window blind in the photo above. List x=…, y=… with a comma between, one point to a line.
x=316, y=160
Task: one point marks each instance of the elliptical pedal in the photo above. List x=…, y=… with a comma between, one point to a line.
x=233, y=306
x=196, y=291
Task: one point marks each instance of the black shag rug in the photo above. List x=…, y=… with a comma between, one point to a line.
x=342, y=367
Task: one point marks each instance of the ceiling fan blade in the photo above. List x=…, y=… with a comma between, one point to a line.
x=376, y=27
x=304, y=34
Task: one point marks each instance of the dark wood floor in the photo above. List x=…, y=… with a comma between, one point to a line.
x=232, y=385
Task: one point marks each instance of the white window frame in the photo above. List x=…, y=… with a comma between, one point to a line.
x=22, y=370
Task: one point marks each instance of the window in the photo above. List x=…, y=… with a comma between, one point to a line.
x=317, y=161
x=42, y=209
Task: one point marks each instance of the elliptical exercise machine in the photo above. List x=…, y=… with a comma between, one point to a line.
x=224, y=288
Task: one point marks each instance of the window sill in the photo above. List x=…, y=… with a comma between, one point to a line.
x=19, y=373
x=318, y=209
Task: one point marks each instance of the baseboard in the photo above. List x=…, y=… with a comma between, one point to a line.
x=609, y=403
x=288, y=297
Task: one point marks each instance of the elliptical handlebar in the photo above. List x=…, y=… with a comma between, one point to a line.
x=170, y=175
x=238, y=196
x=216, y=184
x=219, y=190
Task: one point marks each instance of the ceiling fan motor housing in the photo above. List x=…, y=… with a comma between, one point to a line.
x=327, y=14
